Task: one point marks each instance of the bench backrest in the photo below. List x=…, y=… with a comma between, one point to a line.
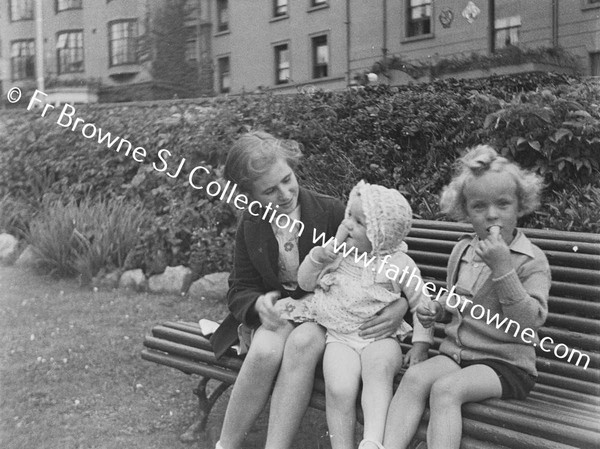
x=573, y=321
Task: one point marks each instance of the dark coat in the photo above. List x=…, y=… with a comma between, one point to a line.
x=256, y=260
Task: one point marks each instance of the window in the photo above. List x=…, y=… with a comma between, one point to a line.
x=190, y=7
x=122, y=42
x=222, y=16
x=63, y=5
x=418, y=18
x=320, y=56
x=506, y=31
x=69, y=52
x=282, y=64
x=224, y=75
x=595, y=63
x=191, y=47
x=21, y=10
x=280, y=8
x=22, y=59
x=318, y=2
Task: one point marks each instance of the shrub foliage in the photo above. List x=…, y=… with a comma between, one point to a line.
x=404, y=137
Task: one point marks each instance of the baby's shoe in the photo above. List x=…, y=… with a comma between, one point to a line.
x=364, y=444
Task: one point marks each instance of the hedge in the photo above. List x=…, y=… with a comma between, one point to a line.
x=404, y=137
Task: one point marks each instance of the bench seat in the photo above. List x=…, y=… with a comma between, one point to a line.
x=562, y=411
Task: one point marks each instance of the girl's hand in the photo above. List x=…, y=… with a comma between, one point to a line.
x=495, y=253
x=342, y=233
x=386, y=322
x=269, y=315
x=430, y=314
x=322, y=255
x=416, y=354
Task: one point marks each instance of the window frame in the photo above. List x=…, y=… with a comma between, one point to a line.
x=277, y=50
x=25, y=60
x=222, y=26
x=509, y=26
x=315, y=66
x=278, y=14
x=411, y=23
x=191, y=37
x=59, y=69
x=69, y=8
x=594, y=58
x=221, y=73
x=31, y=15
x=133, y=38
x=588, y=4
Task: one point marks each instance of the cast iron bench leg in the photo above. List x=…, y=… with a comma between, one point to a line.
x=205, y=404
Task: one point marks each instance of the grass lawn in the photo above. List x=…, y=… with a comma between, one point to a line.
x=70, y=371
x=71, y=375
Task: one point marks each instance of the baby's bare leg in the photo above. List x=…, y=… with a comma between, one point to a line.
x=380, y=361
x=341, y=368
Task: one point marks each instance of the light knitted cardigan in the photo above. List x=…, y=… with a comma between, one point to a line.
x=521, y=296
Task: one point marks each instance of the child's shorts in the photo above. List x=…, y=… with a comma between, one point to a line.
x=516, y=383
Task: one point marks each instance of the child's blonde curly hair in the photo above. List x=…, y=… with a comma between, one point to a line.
x=475, y=163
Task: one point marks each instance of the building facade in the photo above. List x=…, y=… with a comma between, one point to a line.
x=106, y=48
x=234, y=46
x=284, y=45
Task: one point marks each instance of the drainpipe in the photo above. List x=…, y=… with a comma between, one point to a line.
x=39, y=46
x=384, y=47
x=492, y=26
x=348, y=80
x=555, y=23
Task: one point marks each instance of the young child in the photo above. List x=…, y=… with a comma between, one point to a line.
x=348, y=291
x=497, y=270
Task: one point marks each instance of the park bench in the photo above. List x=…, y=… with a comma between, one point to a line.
x=562, y=411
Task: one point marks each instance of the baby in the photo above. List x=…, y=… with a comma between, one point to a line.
x=349, y=290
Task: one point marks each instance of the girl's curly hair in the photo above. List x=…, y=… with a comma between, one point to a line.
x=475, y=163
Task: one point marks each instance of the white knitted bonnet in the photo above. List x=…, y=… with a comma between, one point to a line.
x=388, y=214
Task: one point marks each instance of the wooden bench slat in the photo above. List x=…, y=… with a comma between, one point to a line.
x=588, y=292
x=566, y=369
x=559, y=392
x=507, y=437
x=549, y=394
x=572, y=385
x=574, y=306
x=189, y=367
x=564, y=406
x=537, y=233
x=558, y=431
x=573, y=339
x=434, y=250
x=549, y=413
x=574, y=323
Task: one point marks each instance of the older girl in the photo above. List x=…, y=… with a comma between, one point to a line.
x=501, y=271
x=265, y=269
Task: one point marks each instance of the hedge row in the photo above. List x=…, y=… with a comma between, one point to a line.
x=404, y=137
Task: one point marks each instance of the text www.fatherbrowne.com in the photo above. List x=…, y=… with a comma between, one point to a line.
x=455, y=301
